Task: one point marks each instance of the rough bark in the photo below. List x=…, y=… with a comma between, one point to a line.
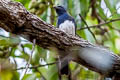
x=16, y=19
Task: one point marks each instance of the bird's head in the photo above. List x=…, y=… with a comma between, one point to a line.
x=60, y=10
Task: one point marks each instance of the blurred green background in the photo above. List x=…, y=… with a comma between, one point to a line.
x=15, y=51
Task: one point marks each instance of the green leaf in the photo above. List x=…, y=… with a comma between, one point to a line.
x=101, y=13
x=29, y=77
x=11, y=41
x=39, y=53
x=52, y=72
x=28, y=45
x=111, y=4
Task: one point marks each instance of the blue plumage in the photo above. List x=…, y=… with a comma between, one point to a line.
x=65, y=22
x=65, y=17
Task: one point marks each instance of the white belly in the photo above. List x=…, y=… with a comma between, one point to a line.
x=68, y=27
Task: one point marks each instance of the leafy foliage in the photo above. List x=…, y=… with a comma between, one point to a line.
x=15, y=51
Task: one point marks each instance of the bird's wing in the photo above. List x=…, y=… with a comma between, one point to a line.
x=67, y=24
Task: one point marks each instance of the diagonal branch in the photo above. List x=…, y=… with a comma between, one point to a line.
x=98, y=25
x=88, y=27
x=35, y=67
x=28, y=63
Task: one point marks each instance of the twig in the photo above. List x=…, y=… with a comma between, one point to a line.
x=10, y=37
x=4, y=36
x=88, y=27
x=34, y=67
x=27, y=65
x=23, y=49
x=59, y=68
x=98, y=25
x=15, y=63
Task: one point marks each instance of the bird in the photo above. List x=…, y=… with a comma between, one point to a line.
x=98, y=57
x=67, y=24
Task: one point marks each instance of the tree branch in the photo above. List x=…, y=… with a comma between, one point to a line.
x=30, y=58
x=98, y=25
x=88, y=27
x=35, y=67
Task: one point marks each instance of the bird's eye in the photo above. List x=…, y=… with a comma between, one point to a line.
x=60, y=6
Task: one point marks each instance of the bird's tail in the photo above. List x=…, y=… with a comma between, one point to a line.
x=96, y=58
x=64, y=67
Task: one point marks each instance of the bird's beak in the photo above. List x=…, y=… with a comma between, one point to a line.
x=54, y=7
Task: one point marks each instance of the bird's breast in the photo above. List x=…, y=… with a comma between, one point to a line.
x=68, y=27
